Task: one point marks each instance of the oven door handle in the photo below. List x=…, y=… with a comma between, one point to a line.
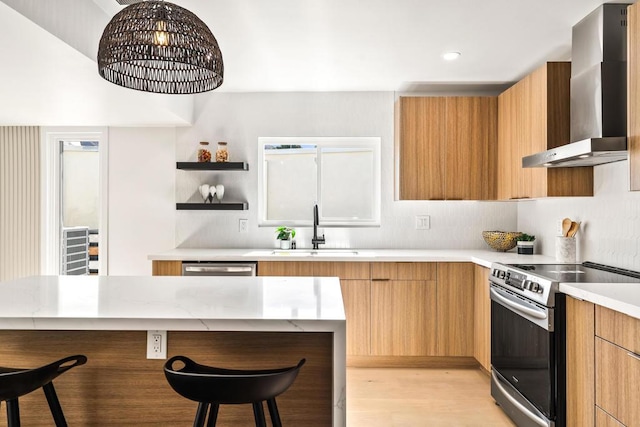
x=523, y=409
x=533, y=312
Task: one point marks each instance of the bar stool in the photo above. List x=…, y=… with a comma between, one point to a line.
x=208, y=385
x=16, y=382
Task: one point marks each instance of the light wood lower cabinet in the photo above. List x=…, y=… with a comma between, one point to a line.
x=580, y=363
x=166, y=268
x=617, y=352
x=357, y=307
x=482, y=317
x=356, y=293
x=455, y=309
x=402, y=315
x=605, y=420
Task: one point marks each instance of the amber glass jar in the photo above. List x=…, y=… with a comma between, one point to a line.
x=222, y=155
x=204, y=154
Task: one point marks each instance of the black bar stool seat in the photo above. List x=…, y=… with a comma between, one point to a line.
x=211, y=386
x=16, y=382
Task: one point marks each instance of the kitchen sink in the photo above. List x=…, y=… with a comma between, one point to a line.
x=316, y=252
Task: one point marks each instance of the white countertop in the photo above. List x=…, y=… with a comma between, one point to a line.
x=622, y=297
x=480, y=257
x=168, y=303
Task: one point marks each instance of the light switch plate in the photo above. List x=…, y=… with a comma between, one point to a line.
x=423, y=222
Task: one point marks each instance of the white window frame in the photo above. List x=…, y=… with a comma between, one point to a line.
x=50, y=198
x=373, y=143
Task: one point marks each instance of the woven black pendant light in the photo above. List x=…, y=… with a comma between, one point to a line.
x=157, y=46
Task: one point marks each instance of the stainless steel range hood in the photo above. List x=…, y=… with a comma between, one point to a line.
x=598, y=93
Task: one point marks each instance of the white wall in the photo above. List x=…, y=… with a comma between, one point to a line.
x=240, y=118
x=610, y=231
x=141, y=197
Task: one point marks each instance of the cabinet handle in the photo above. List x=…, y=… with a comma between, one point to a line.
x=380, y=280
x=634, y=355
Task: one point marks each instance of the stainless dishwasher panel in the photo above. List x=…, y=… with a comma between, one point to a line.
x=219, y=269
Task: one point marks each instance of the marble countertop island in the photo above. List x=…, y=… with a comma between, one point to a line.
x=71, y=305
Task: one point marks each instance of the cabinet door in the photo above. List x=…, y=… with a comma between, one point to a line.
x=421, y=148
x=285, y=268
x=166, y=268
x=506, y=131
x=455, y=297
x=580, y=366
x=343, y=270
x=605, y=420
x=482, y=318
x=618, y=382
x=403, y=318
x=357, y=306
x=471, y=148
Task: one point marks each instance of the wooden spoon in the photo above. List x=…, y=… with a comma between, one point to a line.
x=573, y=229
x=566, y=225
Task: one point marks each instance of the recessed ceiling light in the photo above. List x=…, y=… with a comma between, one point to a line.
x=450, y=56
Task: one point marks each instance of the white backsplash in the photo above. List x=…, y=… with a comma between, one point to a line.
x=610, y=230
x=240, y=118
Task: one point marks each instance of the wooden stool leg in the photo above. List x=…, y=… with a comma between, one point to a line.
x=201, y=414
x=273, y=412
x=258, y=414
x=213, y=415
x=13, y=413
x=54, y=405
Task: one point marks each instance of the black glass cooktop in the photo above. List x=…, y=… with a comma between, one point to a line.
x=587, y=272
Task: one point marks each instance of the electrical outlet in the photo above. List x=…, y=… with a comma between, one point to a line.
x=559, y=227
x=243, y=225
x=423, y=222
x=156, y=344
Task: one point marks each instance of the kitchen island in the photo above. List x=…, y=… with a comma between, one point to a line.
x=235, y=322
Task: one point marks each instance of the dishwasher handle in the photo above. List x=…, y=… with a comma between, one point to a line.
x=218, y=270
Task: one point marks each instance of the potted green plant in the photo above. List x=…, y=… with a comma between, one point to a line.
x=285, y=234
x=525, y=244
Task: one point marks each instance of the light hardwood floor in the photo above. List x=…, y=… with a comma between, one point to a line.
x=397, y=397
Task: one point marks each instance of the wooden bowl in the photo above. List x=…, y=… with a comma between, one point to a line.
x=501, y=241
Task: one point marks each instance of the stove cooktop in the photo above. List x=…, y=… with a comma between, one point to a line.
x=587, y=272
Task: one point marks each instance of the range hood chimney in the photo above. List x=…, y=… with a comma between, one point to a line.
x=598, y=93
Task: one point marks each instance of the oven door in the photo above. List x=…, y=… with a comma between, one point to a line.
x=522, y=354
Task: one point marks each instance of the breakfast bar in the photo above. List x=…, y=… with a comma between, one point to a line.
x=230, y=322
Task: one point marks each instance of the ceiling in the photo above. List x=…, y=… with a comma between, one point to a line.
x=283, y=45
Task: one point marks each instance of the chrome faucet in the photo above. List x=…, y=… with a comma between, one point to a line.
x=316, y=240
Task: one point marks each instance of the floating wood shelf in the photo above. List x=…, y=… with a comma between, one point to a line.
x=241, y=206
x=213, y=166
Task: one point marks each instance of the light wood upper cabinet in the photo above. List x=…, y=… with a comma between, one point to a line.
x=482, y=317
x=533, y=116
x=446, y=147
x=633, y=101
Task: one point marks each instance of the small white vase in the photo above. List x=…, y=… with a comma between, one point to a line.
x=219, y=191
x=285, y=244
x=204, y=191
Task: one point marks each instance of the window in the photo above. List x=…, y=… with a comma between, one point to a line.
x=341, y=175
